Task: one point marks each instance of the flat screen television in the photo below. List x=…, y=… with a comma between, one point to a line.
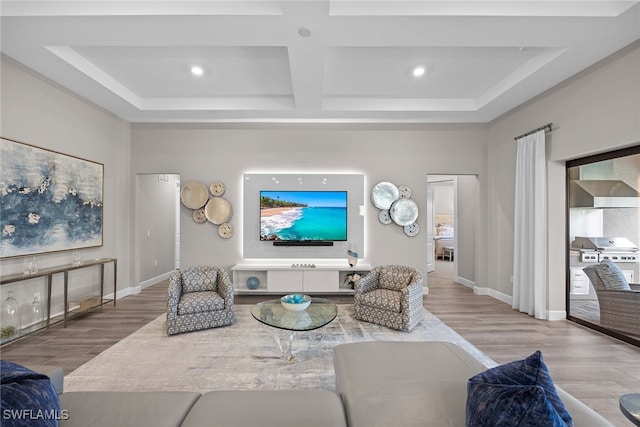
x=303, y=216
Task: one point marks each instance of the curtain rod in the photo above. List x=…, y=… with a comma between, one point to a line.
x=548, y=125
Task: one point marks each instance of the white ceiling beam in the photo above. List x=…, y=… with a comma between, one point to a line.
x=138, y=7
x=510, y=8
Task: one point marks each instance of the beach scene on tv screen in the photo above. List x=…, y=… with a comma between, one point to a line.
x=303, y=215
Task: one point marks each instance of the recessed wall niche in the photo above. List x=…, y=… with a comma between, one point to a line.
x=255, y=248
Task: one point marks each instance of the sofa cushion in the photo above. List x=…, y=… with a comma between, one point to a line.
x=519, y=393
x=383, y=299
x=265, y=408
x=403, y=383
x=126, y=408
x=55, y=374
x=197, y=279
x=200, y=302
x=28, y=398
x=395, y=278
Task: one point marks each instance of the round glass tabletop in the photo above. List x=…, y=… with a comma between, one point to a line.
x=319, y=313
x=630, y=407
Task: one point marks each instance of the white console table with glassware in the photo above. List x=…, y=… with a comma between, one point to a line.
x=303, y=277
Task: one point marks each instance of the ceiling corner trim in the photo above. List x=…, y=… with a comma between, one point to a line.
x=520, y=74
x=82, y=64
x=398, y=104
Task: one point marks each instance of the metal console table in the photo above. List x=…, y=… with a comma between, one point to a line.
x=65, y=269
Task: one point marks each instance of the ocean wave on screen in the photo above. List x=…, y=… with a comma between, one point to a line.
x=273, y=224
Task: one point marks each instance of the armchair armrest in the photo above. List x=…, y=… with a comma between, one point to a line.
x=225, y=287
x=368, y=282
x=632, y=294
x=613, y=301
x=174, y=292
x=414, y=288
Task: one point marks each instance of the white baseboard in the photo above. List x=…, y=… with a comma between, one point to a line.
x=131, y=290
x=507, y=299
x=154, y=280
x=551, y=314
x=466, y=282
x=425, y=290
x=556, y=315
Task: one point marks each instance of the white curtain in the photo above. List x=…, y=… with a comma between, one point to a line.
x=530, y=229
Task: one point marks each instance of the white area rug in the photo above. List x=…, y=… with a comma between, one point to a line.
x=240, y=356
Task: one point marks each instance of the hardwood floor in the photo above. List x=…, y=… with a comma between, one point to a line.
x=593, y=367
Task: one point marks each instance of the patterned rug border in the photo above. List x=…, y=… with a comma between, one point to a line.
x=239, y=357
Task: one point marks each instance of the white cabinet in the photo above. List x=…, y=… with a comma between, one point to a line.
x=281, y=279
x=579, y=282
x=284, y=281
x=320, y=280
x=302, y=281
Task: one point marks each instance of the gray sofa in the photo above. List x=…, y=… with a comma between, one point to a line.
x=416, y=383
x=266, y=408
x=378, y=383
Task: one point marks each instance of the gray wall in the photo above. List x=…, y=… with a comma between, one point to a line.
x=403, y=155
x=37, y=112
x=156, y=213
x=595, y=111
x=468, y=219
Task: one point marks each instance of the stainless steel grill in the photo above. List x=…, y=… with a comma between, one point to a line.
x=596, y=249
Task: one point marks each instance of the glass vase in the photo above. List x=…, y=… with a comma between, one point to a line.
x=10, y=327
x=352, y=256
x=36, y=312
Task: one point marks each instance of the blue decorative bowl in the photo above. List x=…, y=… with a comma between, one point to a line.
x=295, y=302
x=253, y=282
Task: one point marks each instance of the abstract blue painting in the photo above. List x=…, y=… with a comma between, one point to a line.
x=49, y=201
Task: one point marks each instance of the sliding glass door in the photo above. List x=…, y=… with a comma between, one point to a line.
x=603, y=215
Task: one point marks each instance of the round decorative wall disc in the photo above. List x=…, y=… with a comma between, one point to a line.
x=218, y=210
x=217, y=188
x=384, y=194
x=404, y=212
x=384, y=217
x=405, y=192
x=225, y=230
x=411, y=229
x=194, y=194
x=199, y=215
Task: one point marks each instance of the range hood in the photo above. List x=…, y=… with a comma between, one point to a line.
x=602, y=194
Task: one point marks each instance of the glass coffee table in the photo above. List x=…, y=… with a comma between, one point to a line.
x=630, y=407
x=320, y=313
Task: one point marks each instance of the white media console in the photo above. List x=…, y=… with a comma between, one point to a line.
x=321, y=278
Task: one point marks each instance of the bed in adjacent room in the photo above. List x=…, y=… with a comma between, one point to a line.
x=444, y=234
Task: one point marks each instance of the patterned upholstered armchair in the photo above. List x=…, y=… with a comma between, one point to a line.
x=619, y=300
x=390, y=296
x=199, y=298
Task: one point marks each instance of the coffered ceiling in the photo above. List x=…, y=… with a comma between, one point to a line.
x=313, y=61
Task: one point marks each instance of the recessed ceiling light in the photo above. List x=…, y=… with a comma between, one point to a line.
x=197, y=70
x=304, y=31
x=419, y=71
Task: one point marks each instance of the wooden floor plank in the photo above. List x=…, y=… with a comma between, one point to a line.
x=595, y=368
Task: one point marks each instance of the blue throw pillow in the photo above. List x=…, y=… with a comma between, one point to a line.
x=28, y=397
x=519, y=393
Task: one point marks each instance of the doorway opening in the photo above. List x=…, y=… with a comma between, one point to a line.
x=442, y=200
x=452, y=224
